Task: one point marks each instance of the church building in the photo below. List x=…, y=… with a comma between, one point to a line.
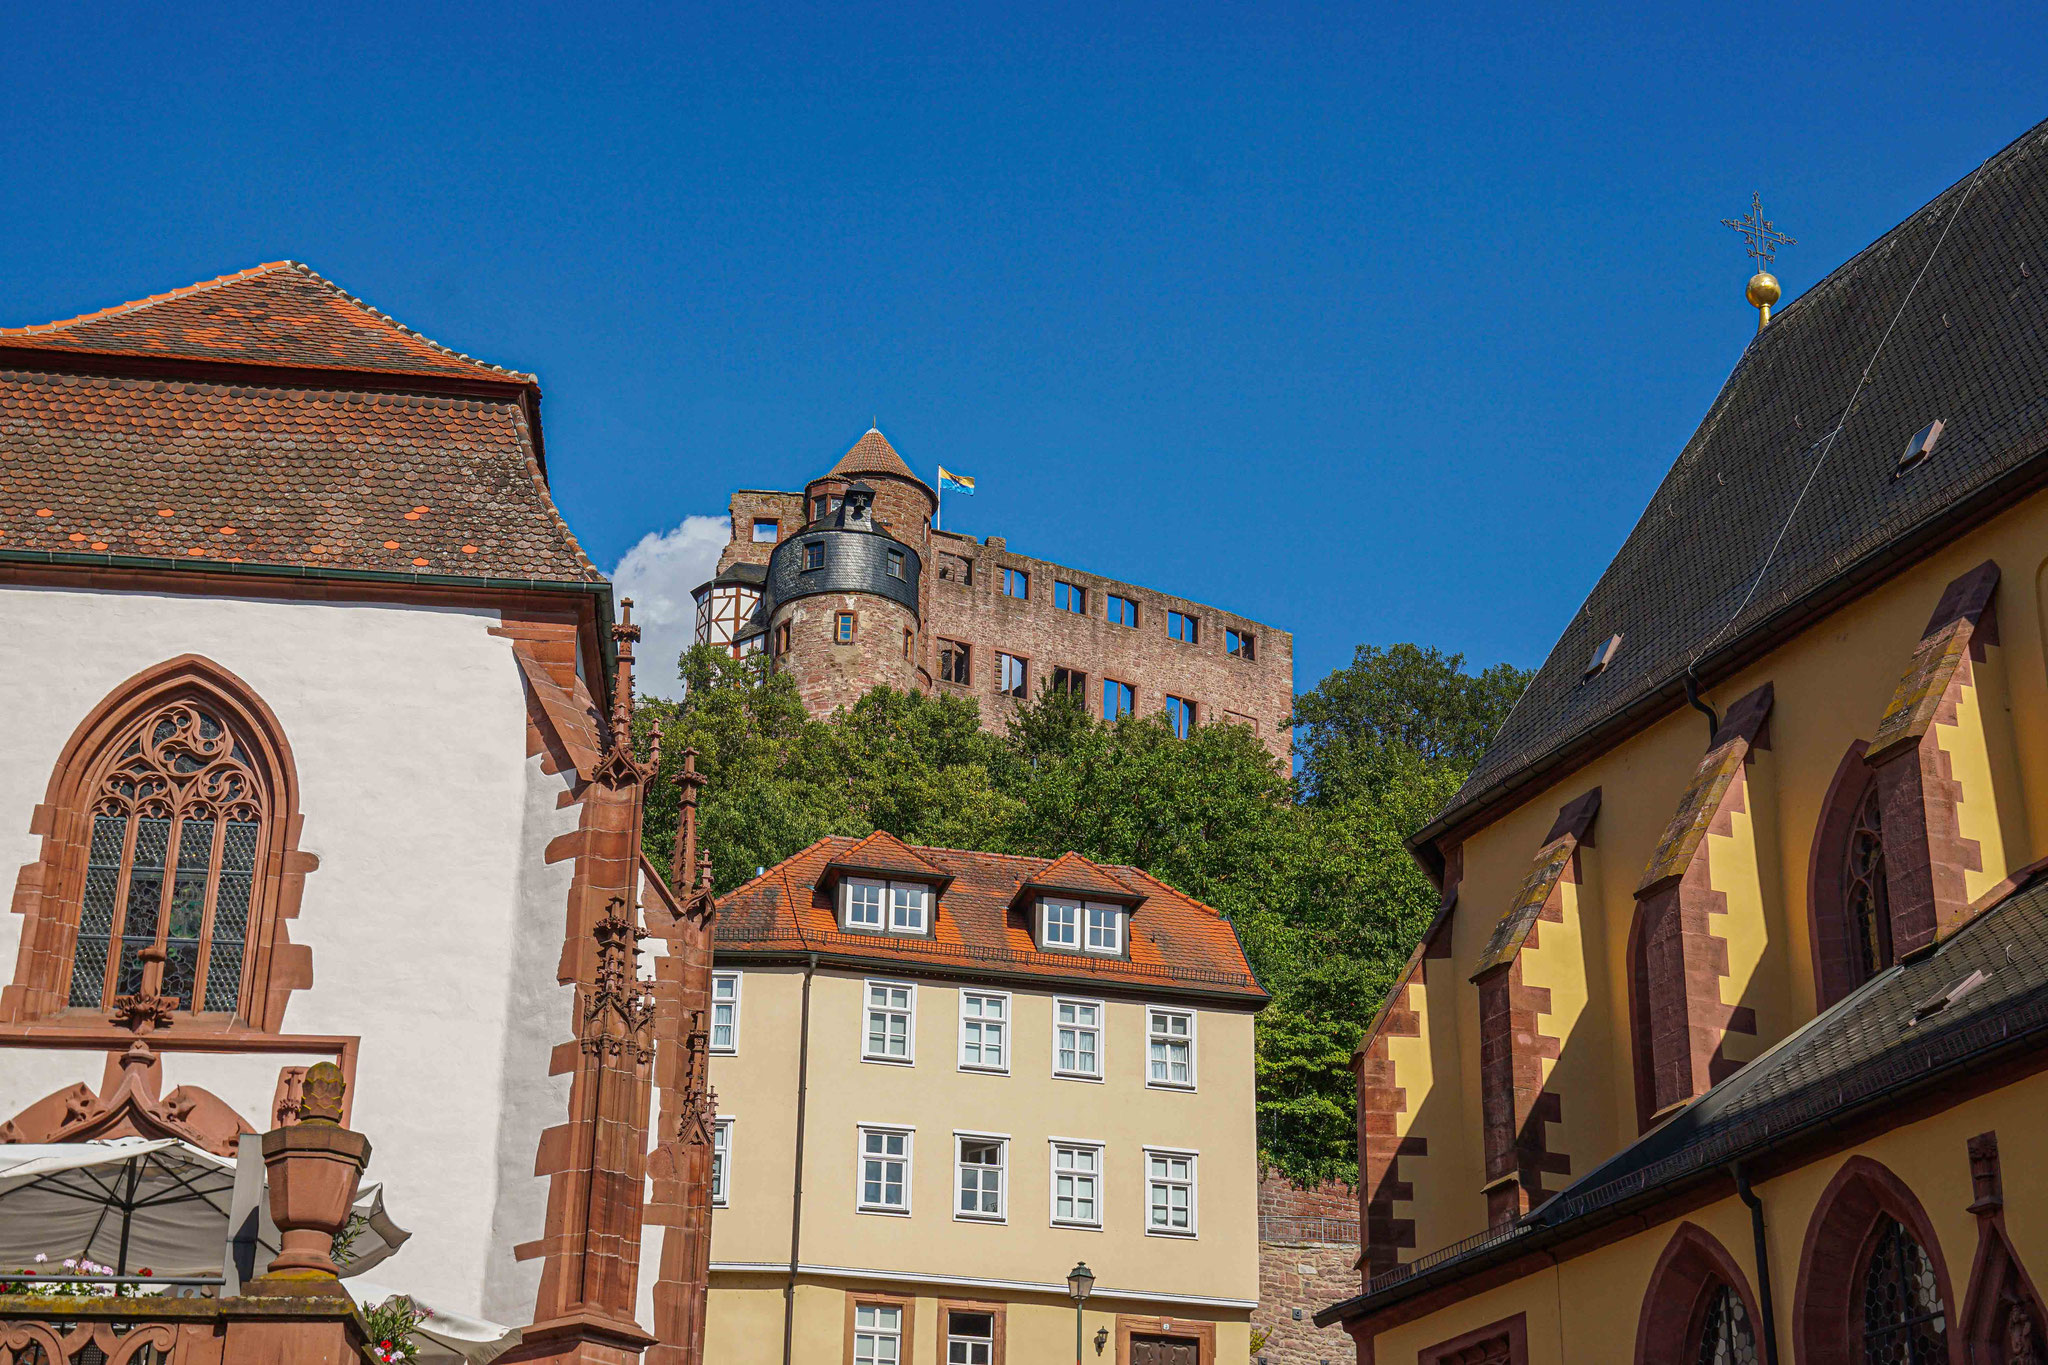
x=1738, y=995
x=318, y=756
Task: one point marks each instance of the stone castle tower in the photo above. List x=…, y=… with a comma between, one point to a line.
x=847, y=586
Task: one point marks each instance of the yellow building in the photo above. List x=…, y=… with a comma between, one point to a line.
x=946, y=1078
x=1740, y=976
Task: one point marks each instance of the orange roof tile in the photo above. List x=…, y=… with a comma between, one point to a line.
x=872, y=454
x=884, y=853
x=1174, y=943
x=280, y=314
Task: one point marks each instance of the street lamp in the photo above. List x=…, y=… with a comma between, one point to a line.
x=1080, y=1282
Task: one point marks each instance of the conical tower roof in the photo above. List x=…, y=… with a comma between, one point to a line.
x=872, y=454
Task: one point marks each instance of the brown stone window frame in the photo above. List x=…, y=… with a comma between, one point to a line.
x=1071, y=681
x=956, y=662
x=1022, y=689
x=1498, y=1343
x=845, y=627
x=782, y=639
x=773, y=526
x=1691, y=1271
x=908, y=1306
x=1838, y=968
x=49, y=892
x=998, y=1333
x=909, y=642
x=1841, y=1235
x=1239, y=643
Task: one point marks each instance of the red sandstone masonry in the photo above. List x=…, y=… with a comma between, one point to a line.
x=1308, y=1251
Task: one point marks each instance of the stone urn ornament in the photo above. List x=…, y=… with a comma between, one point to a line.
x=314, y=1167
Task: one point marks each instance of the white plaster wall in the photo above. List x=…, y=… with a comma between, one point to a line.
x=433, y=924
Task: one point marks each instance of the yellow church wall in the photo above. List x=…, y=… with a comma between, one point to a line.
x=1831, y=684
x=1587, y=1307
x=1434, y=1113
x=1556, y=960
x=1973, y=746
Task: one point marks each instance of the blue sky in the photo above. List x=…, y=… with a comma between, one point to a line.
x=1376, y=323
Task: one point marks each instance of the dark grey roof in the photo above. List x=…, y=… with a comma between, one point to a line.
x=1865, y=1052
x=1968, y=345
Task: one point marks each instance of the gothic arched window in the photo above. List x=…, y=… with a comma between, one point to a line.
x=1726, y=1336
x=1848, y=904
x=1904, y=1319
x=170, y=863
x=1863, y=891
x=177, y=830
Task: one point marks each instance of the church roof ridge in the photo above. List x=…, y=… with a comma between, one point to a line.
x=279, y=313
x=1938, y=318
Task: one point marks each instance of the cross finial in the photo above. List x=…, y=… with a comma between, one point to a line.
x=1762, y=235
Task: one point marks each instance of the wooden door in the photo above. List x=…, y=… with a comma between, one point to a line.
x=1165, y=1351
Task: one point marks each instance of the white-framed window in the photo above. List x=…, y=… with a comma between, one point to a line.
x=1170, y=1047
x=909, y=907
x=868, y=905
x=885, y=1168
x=863, y=903
x=981, y=1163
x=1105, y=928
x=725, y=1012
x=1169, y=1192
x=877, y=1334
x=1076, y=1183
x=1077, y=1038
x=984, y=1031
x=970, y=1338
x=891, y=1030
x=721, y=1162
x=1059, y=923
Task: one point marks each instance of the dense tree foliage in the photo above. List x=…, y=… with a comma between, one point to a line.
x=1310, y=869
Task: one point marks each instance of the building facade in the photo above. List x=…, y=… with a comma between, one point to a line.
x=944, y=1079
x=1734, y=997
x=848, y=587
x=318, y=751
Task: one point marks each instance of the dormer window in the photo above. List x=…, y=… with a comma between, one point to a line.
x=871, y=906
x=1075, y=926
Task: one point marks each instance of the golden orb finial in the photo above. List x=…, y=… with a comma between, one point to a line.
x=1763, y=291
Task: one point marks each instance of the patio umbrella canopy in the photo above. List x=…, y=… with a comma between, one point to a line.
x=155, y=1204
x=130, y=1203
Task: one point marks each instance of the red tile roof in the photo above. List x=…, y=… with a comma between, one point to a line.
x=887, y=855
x=441, y=479
x=1175, y=942
x=280, y=314
x=1076, y=876
x=96, y=465
x=872, y=454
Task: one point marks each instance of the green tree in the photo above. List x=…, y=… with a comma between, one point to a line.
x=1396, y=712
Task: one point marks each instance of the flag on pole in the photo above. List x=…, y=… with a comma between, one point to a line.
x=948, y=479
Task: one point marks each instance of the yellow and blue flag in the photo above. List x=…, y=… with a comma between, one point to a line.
x=948, y=479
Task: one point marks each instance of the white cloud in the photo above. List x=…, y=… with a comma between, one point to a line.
x=658, y=575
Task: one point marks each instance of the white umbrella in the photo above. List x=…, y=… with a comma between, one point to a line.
x=157, y=1204
x=128, y=1203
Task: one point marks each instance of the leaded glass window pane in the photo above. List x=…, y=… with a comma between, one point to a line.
x=1904, y=1319
x=1725, y=1335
